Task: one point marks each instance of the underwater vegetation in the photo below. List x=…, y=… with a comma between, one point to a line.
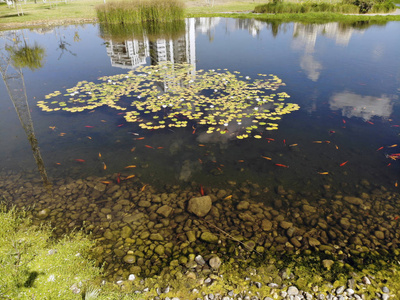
x=176, y=95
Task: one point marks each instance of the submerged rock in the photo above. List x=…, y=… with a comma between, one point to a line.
x=200, y=206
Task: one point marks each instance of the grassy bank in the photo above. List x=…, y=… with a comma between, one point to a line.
x=83, y=11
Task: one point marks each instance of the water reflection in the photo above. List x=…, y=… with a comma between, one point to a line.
x=365, y=107
x=13, y=57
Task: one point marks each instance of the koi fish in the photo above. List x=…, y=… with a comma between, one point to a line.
x=323, y=173
x=147, y=146
x=281, y=165
x=131, y=166
x=141, y=138
x=201, y=145
x=104, y=121
x=52, y=127
x=337, y=148
x=106, y=182
x=201, y=190
x=129, y=177
x=143, y=188
x=160, y=147
x=104, y=166
x=99, y=155
x=328, y=142
x=268, y=158
x=241, y=160
x=59, y=164
x=396, y=184
x=119, y=178
x=392, y=146
x=270, y=139
x=120, y=125
x=228, y=197
x=343, y=163
x=88, y=126
x=120, y=114
x=380, y=148
x=79, y=160
x=332, y=131
x=133, y=149
x=62, y=134
x=317, y=142
x=293, y=145
x=344, y=121
x=369, y=122
x=89, y=137
x=194, y=129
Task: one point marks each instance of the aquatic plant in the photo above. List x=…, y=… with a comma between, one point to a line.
x=175, y=95
x=140, y=11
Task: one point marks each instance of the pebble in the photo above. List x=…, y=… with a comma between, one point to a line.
x=292, y=290
x=385, y=289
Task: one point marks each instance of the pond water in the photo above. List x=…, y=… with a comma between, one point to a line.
x=298, y=157
x=345, y=80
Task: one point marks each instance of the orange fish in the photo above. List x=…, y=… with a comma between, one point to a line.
x=52, y=127
x=104, y=166
x=270, y=139
x=147, y=146
x=104, y=121
x=323, y=173
x=344, y=121
x=120, y=125
x=99, y=155
x=131, y=166
x=143, y=188
x=62, y=134
x=396, y=184
x=58, y=164
x=293, y=145
x=106, y=182
x=129, y=177
x=133, y=149
x=328, y=142
x=343, y=163
x=228, y=197
x=281, y=165
x=392, y=146
x=201, y=145
x=88, y=126
x=317, y=142
x=337, y=148
x=241, y=160
x=89, y=137
x=396, y=218
x=194, y=129
x=380, y=148
x=369, y=122
x=141, y=138
x=80, y=160
x=266, y=157
x=200, y=161
x=201, y=190
x=119, y=178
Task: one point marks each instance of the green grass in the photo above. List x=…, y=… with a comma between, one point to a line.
x=140, y=11
x=83, y=11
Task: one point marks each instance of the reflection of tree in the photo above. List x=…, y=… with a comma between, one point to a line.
x=11, y=62
x=63, y=46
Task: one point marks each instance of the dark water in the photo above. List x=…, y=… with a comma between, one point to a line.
x=346, y=80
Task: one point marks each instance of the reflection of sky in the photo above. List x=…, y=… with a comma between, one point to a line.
x=365, y=107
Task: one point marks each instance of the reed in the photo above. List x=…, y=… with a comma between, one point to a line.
x=140, y=11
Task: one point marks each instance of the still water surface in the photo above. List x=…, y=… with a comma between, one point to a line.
x=346, y=81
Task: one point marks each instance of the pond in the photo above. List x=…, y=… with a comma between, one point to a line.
x=297, y=111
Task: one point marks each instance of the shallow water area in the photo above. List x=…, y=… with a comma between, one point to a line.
x=126, y=147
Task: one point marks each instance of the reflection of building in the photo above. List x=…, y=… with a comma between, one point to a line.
x=128, y=54
x=305, y=37
x=365, y=107
x=133, y=53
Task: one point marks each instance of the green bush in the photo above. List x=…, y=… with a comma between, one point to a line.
x=288, y=7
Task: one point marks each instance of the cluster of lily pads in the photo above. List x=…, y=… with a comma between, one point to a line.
x=176, y=95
